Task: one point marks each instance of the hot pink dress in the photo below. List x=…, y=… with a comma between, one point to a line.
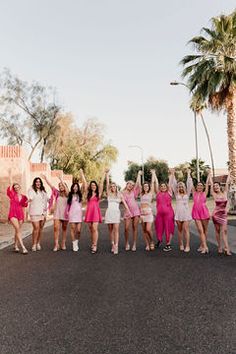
x=130, y=199
x=219, y=215
x=165, y=216
x=93, y=212
x=17, y=203
x=200, y=210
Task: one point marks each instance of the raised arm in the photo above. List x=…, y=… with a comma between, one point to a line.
x=156, y=182
x=189, y=183
x=101, y=185
x=84, y=182
x=64, y=185
x=107, y=182
x=152, y=182
x=138, y=184
x=44, y=177
x=172, y=182
x=208, y=182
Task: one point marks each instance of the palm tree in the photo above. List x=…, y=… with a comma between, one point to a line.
x=211, y=74
x=198, y=108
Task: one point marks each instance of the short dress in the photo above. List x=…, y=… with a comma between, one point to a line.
x=60, y=205
x=75, y=214
x=219, y=215
x=200, y=210
x=146, y=208
x=38, y=205
x=182, y=210
x=112, y=215
x=93, y=212
x=130, y=199
x=17, y=203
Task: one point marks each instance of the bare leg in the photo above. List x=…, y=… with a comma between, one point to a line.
x=145, y=236
x=135, y=222
x=78, y=228
x=41, y=225
x=57, y=224
x=180, y=235
x=35, y=232
x=186, y=235
x=217, y=233
x=111, y=235
x=116, y=237
x=73, y=231
x=64, y=228
x=205, y=224
x=225, y=240
x=127, y=225
x=94, y=229
x=18, y=238
x=201, y=231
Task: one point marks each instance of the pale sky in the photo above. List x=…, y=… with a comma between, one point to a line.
x=114, y=60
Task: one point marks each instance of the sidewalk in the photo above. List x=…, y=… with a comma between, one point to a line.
x=7, y=232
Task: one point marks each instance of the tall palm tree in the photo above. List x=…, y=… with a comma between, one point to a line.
x=211, y=74
x=198, y=107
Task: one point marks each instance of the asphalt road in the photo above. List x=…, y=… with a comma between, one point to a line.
x=139, y=302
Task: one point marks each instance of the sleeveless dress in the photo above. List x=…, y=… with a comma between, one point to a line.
x=165, y=216
x=146, y=208
x=60, y=205
x=112, y=215
x=219, y=215
x=75, y=214
x=200, y=210
x=17, y=203
x=130, y=199
x=182, y=210
x=93, y=212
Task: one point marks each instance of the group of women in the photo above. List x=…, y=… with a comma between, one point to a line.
x=66, y=207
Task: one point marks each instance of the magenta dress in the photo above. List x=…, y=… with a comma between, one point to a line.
x=93, y=212
x=17, y=203
x=130, y=199
x=219, y=215
x=165, y=216
x=200, y=210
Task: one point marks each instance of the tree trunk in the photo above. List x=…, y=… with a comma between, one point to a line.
x=33, y=149
x=231, y=131
x=43, y=150
x=209, y=144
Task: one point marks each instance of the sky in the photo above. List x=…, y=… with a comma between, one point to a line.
x=114, y=60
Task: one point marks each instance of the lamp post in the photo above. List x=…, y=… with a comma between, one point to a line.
x=142, y=162
x=176, y=83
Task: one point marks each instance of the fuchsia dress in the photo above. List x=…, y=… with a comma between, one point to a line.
x=165, y=216
x=130, y=199
x=17, y=203
x=219, y=215
x=200, y=210
x=93, y=212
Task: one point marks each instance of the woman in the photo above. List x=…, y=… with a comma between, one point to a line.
x=200, y=213
x=165, y=214
x=112, y=215
x=130, y=193
x=219, y=215
x=38, y=211
x=74, y=210
x=93, y=214
x=146, y=214
x=182, y=211
x=57, y=206
x=18, y=201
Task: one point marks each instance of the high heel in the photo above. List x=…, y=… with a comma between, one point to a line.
x=94, y=249
x=127, y=247
x=16, y=249
x=147, y=248
x=56, y=248
x=227, y=252
x=115, y=249
x=205, y=251
x=187, y=249
x=181, y=247
x=24, y=251
x=220, y=251
x=134, y=248
x=152, y=246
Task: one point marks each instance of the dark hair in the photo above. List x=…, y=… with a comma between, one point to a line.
x=143, y=187
x=42, y=188
x=70, y=195
x=90, y=192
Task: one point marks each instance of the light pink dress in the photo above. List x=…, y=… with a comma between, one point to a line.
x=165, y=216
x=130, y=199
x=182, y=210
x=200, y=210
x=60, y=205
x=93, y=212
x=75, y=214
x=146, y=207
x=17, y=203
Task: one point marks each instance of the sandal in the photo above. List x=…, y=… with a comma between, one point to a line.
x=152, y=246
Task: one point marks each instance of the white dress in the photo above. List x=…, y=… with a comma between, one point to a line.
x=182, y=210
x=112, y=215
x=146, y=208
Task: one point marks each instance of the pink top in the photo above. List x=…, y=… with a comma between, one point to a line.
x=93, y=212
x=200, y=210
x=17, y=203
x=164, y=204
x=130, y=198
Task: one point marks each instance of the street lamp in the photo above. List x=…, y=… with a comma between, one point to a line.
x=141, y=150
x=176, y=83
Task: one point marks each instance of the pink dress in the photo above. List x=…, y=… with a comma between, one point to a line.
x=130, y=199
x=200, y=210
x=182, y=210
x=146, y=207
x=219, y=215
x=165, y=216
x=75, y=214
x=60, y=205
x=93, y=212
x=17, y=203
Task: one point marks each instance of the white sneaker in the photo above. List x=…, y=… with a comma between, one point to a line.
x=38, y=247
x=75, y=245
